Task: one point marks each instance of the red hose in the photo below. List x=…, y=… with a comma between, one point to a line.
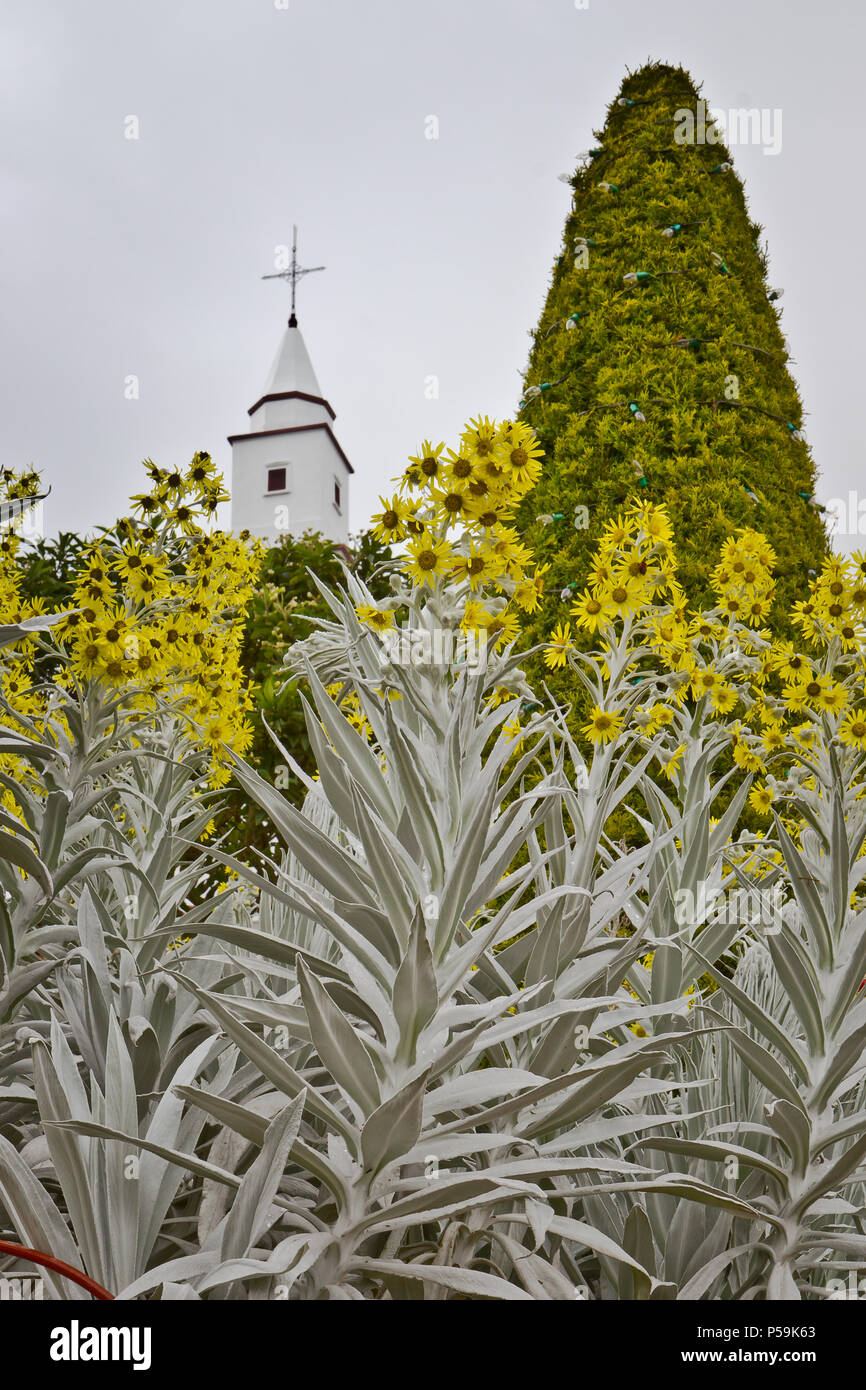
x=21, y=1252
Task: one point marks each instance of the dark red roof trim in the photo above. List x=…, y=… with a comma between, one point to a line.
x=295, y=429
x=292, y=395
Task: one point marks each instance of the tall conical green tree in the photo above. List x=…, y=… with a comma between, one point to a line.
x=658, y=368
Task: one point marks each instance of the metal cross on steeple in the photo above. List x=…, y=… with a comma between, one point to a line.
x=294, y=273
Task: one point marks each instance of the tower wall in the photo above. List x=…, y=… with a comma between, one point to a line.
x=313, y=464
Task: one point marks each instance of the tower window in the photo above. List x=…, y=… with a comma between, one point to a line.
x=277, y=479
x=336, y=494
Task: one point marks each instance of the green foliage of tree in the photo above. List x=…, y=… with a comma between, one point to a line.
x=49, y=567
x=695, y=346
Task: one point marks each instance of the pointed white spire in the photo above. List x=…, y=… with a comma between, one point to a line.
x=292, y=369
x=292, y=394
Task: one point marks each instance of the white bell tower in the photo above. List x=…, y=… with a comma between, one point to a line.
x=289, y=474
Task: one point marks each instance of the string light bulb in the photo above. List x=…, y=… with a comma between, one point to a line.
x=637, y=277
x=636, y=412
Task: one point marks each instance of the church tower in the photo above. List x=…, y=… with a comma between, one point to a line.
x=289, y=474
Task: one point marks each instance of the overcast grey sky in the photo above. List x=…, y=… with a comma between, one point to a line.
x=142, y=257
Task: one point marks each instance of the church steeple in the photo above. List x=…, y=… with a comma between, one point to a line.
x=289, y=474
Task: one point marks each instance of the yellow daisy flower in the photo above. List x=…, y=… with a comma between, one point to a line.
x=479, y=567
x=833, y=698
x=452, y=502
x=428, y=461
x=503, y=628
x=427, y=559
x=389, y=525
x=520, y=453
x=376, y=618
x=625, y=594
x=560, y=644
x=481, y=440
x=604, y=725
x=475, y=617
x=591, y=611
x=723, y=698
x=852, y=730
x=761, y=800
x=671, y=767
x=773, y=739
x=704, y=681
